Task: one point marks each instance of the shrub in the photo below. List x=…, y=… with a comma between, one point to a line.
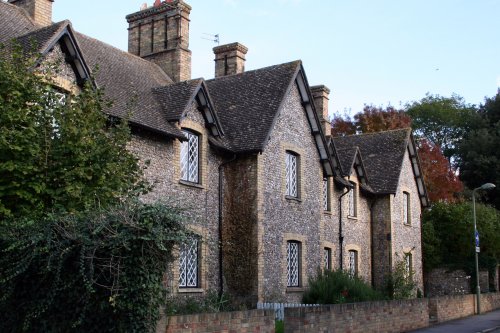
x=93, y=272
x=331, y=287
x=399, y=284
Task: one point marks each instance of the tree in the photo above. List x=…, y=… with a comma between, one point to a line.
x=479, y=152
x=440, y=178
x=58, y=152
x=371, y=119
x=441, y=181
x=99, y=271
x=448, y=236
x=443, y=121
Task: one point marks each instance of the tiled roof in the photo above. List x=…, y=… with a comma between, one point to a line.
x=40, y=38
x=176, y=97
x=14, y=22
x=383, y=154
x=346, y=158
x=247, y=103
x=129, y=81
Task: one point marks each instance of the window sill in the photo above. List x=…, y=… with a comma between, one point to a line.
x=294, y=289
x=190, y=184
x=287, y=197
x=352, y=217
x=407, y=224
x=327, y=212
x=190, y=290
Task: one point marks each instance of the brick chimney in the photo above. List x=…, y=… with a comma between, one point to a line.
x=39, y=10
x=161, y=34
x=320, y=95
x=229, y=59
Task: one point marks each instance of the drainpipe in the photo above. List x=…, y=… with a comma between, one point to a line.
x=372, y=242
x=341, y=235
x=221, y=202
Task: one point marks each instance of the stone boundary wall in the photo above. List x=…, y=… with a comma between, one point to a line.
x=261, y=321
x=451, y=307
x=490, y=302
x=384, y=316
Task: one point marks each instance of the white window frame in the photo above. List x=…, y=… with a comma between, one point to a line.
x=190, y=158
x=326, y=195
x=408, y=264
x=353, y=201
x=293, y=263
x=406, y=208
x=292, y=174
x=189, y=261
x=353, y=256
x=327, y=258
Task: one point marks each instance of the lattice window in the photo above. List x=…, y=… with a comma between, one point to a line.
x=327, y=258
x=406, y=208
x=408, y=264
x=188, y=263
x=54, y=101
x=326, y=195
x=352, y=200
x=353, y=263
x=291, y=174
x=293, y=264
x=190, y=158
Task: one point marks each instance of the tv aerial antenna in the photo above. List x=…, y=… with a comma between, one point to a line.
x=211, y=37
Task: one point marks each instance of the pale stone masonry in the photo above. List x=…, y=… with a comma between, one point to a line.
x=270, y=196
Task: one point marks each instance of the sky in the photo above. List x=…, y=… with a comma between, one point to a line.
x=376, y=52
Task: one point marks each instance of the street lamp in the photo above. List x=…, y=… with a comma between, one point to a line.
x=487, y=186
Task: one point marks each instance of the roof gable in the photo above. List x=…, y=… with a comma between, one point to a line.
x=248, y=105
x=383, y=157
x=177, y=98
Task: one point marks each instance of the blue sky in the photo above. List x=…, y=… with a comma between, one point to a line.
x=366, y=51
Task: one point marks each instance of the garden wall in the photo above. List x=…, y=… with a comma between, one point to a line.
x=385, y=316
x=261, y=321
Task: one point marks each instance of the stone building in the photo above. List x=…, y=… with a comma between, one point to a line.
x=272, y=197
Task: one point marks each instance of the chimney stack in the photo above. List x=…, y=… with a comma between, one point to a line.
x=40, y=11
x=229, y=59
x=161, y=34
x=320, y=94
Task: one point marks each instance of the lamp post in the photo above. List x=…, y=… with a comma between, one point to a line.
x=487, y=186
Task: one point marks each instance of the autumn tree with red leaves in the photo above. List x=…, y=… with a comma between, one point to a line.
x=440, y=179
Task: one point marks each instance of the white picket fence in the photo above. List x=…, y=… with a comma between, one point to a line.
x=279, y=308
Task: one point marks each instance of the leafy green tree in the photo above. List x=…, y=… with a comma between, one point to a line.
x=442, y=120
x=448, y=236
x=58, y=152
x=98, y=271
x=479, y=151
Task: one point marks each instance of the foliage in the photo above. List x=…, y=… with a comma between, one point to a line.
x=58, y=155
x=440, y=179
x=442, y=120
x=279, y=326
x=399, y=283
x=371, y=119
x=448, y=234
x=331, y=287
x=91, y=272
x=212, y=302
x=479, y=160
